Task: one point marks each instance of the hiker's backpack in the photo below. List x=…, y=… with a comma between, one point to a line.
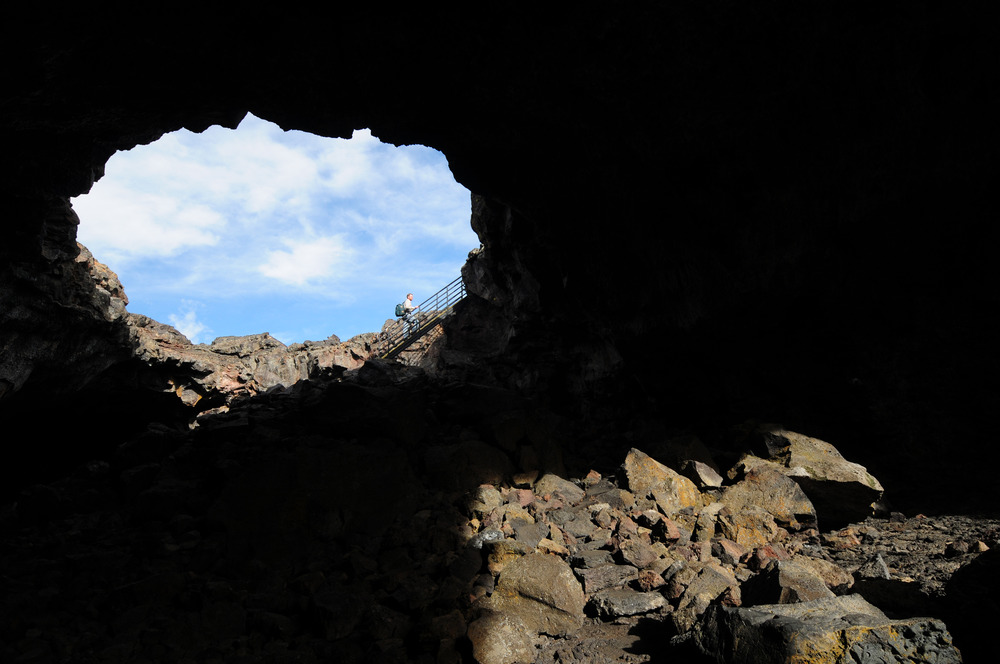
x=399, y=309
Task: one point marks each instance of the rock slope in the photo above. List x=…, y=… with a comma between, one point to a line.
x=385, y=516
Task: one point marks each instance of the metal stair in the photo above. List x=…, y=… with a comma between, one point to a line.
x=430, y=313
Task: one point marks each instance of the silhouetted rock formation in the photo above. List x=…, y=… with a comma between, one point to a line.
x=692, y=216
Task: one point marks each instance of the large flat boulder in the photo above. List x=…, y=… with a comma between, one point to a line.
x=842, y=491
x=833, y=630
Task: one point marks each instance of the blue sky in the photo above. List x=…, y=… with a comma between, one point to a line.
x=233, y=232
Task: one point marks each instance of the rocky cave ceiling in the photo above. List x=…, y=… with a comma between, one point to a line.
x=769, y=211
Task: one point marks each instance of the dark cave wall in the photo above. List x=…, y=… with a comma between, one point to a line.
x=702, y=212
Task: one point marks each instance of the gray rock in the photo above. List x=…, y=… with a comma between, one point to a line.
x=606, y=576
x=701, y=473
x=542, y=592
x=501, y=638
x=481, y=538
x=785, y=582
x=557, y=486
x=590, y=558
x=839, y=629
x=529, y=533
x=617, y=602
x=874, y=568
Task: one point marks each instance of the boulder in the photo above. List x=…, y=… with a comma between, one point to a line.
x=838, y=629
x=785, y=582
x=501, y=638
x=541, y=591
x=617, y=602
x=749, y=527
x=606, y=576
x=702, y=474
x=648, y=478
x=554, y=485
x=842, y=491
x=764, y=487
x=711, y=582
x=835, y=577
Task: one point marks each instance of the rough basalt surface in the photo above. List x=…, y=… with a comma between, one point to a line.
x=692, y=216
x=384, y=515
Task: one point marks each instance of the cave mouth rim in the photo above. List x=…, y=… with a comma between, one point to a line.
x=379, y=212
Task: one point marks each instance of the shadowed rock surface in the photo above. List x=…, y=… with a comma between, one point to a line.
x=692, y=217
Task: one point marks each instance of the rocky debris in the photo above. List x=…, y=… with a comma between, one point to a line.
x=233, y=368
x=914, y=550
x=211, y=376
x=834, y=629
x=635, y=562
x=106, y=283
x=324, y=521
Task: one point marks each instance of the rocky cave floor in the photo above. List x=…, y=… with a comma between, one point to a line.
x=310, y=527
x=921, y=553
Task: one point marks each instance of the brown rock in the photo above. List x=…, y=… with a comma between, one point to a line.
x=834, y=576
x=650, y=580
x=553, y=485
x=502, y=552
x=710, y=583
x=829, y=630
x=749, y=527
x=763, y=486
x=727, y=551
x=638, y=553
x=500, y=637
x=763, y=555
x=842, y=491
x=785, y=582
x=646, y=477
x=542, y=592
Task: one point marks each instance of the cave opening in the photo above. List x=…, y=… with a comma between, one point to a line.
x=235, y=232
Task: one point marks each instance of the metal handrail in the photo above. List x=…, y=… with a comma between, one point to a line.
x=431, y=312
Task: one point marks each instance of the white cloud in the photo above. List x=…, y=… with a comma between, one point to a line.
x=262, y=213
x=307, y=260
x=125, y=223
x=189, y=325
x=350, y=166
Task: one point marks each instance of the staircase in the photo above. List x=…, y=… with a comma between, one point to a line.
x=430, y=313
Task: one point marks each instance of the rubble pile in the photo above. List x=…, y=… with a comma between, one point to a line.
x=385, y=516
